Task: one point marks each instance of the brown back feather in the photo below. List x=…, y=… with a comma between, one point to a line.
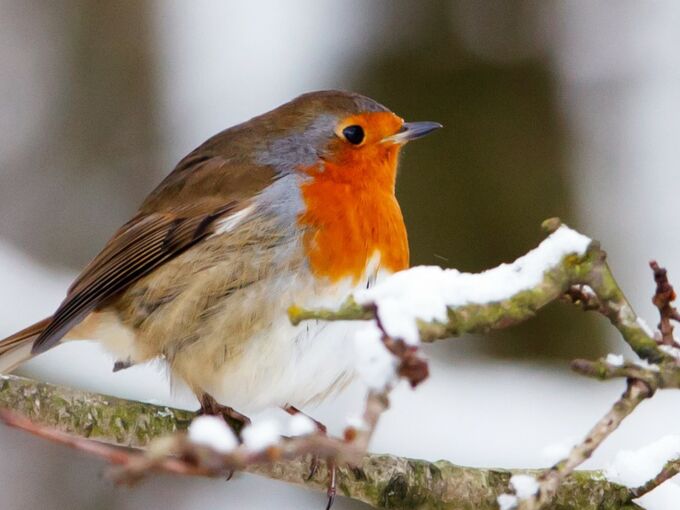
x=173, y=219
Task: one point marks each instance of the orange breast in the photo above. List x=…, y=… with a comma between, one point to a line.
x=352, y=213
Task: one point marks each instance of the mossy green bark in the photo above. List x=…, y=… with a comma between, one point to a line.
x=101, y=417
x=382, y=481
x=386, y=481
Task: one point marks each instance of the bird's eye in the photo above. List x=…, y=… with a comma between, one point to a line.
x=354, y=134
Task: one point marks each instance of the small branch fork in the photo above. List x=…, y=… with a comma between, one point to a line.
x=583, y=280
x=642, y=382
x=588, y=282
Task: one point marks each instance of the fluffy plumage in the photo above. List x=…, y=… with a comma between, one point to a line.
x=276, y=211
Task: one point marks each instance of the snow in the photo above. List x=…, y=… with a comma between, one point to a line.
x=212, y=431
x=588, y=291
x=671, y=351
x=643, y=363
x=426, y=292
x=357, y=422
x=634, y=467
x=261, y=434
x=507, y=502
x=664, y=497
x=375, y=364
x=301, y=425
x=525, y=485
x=645, y=327
x=615, y=360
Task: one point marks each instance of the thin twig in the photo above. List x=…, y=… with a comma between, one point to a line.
x=550, y=480
x=663, y=299
x=670, y=469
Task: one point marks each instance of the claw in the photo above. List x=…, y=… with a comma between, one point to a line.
x=332, y=489
x=314, y=464
x=313, y=467
x=236, y=420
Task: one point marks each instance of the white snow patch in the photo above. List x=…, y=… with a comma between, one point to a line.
x=645, y=327
x=301, y=425
x=261, y=434
x=426, y=292
x=375, y=364
x=212, y=431
x=507, y=501
x=643, y=363
x=357, y=422
x=664, y=497
x=525, y=485
x=588, y=291
x=615, y=360
x=671, y=351
x=632, y=468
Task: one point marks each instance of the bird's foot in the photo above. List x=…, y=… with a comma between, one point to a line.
x=332, y=487
x=236, y=421
x=331, y=490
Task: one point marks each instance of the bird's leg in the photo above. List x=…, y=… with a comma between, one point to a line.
x=314, y=466
x=292, y=410
x=236, y=420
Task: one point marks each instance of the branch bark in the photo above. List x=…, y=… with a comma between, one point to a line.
x=382, y=481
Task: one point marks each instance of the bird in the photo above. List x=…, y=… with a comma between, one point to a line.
x=296, y=206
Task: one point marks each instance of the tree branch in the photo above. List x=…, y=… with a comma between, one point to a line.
x=550, y=479
x=588, y=271
x=382, y=481
x=670, y=469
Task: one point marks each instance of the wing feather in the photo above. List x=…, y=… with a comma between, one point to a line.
x=204, y=188
x=139, y=248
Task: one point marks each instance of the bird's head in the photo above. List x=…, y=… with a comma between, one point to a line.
x=344, y=136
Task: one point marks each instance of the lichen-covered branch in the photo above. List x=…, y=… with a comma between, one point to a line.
x=90, y=415
x=383, y=481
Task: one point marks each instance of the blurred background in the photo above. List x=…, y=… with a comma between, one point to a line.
x=551, y=108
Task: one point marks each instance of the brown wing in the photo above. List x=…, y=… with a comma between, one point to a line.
x=173, y=218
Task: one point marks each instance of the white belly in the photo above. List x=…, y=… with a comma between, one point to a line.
x=288, y=364
x=295, y=365
x=280, y=364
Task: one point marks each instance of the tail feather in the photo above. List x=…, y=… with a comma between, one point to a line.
x=16, y=349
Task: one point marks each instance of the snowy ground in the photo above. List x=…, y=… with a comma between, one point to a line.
x=471, y=411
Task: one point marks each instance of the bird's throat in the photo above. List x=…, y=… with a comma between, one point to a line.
x=348, y=222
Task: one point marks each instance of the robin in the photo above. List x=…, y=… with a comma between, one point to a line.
x=295, y=206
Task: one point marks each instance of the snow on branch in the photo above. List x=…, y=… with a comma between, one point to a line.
x=567, y=265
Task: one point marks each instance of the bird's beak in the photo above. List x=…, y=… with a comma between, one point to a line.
x=412, y=130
